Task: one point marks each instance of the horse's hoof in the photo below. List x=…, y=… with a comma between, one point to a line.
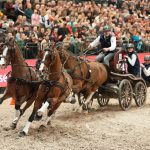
x=49, y=123
x=21, y=112
x=73, y=101
x=22, y=134
x=39, y=113
x=1, y=101
x=86, y=112
x=84, y=107
x=37, y=117
x=13, y=126
x=41, y=128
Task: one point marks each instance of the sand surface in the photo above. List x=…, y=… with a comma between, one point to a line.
x=107, y=128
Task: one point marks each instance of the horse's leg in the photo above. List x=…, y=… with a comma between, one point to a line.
x=87, y=101
x=5, y=96
x=28, y=104
x=76, y=88
x=10, y=91
x=37, y=105
x=17, y=117
x=71, y=98
x=50, y=101
x=50, y=115
x=79, y=100
x=20, y=112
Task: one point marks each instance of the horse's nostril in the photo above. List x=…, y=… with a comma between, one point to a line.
x=41, y=70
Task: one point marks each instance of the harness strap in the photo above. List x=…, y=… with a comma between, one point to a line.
x=50, y=84
x=76, y=76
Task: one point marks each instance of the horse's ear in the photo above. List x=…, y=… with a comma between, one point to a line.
x=2, y=37
x=53, y=44
x=11, y=40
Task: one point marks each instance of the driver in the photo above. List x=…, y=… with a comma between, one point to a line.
x=107, y=40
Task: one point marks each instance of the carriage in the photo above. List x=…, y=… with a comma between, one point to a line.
x=122, y=86
x=84, y=78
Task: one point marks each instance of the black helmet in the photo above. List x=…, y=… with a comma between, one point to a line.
x=130, y=45
x=146, y=57
x=106, y=28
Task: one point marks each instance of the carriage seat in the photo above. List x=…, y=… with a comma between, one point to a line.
x=118, y=57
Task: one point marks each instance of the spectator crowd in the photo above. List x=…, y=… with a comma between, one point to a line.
x=36, y=23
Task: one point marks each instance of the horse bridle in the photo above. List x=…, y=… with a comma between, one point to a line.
x=2, y=46
x=51, y=57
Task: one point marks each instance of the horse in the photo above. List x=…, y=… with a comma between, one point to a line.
x=54, y=90
x=87, y=76
x=18, y=85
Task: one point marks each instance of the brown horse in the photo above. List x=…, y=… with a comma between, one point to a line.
x=55, y=89
x=17, y=86
x=87, y=76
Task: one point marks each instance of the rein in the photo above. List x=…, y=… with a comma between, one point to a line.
x=79, y=63
x=13, y=56
x=55, y=82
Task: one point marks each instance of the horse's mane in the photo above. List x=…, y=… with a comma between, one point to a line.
x=69, y=52
x=78, y=58
x=16, y=44
x=2, y=37
x=18, y=48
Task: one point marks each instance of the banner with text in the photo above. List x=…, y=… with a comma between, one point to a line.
x=4, y=72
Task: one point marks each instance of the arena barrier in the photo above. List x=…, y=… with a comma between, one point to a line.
x=31, y=62
x=4, y=72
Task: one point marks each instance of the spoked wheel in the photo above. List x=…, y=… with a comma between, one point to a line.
x=102, y=101
x=140, y=94
x=125, y=94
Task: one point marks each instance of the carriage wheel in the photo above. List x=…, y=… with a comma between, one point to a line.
x=102, y=101
x=140, y=94
x=125, y=94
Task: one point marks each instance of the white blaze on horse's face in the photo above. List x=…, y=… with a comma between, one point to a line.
x=3, y=59
x=42, y=64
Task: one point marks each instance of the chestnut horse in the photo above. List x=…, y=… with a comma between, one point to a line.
x=87, y=76
x=56, y=88
x=18, y=85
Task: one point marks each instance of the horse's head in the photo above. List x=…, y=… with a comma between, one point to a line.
x=2, y=41
x=48, y=60
x=63, y=52
x=6, y=51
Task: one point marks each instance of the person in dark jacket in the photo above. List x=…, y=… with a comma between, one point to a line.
x=28, y=12
x=108, y=44
x=145, y=72
x=132, y=60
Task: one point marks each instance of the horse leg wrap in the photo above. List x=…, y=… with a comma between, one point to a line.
x=17, y=107
x=43, y=108
x=21, y=112
x=25, y=129
x=15, y=121
x=1, y=100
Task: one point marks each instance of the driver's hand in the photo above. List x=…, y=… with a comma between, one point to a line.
x=105, y=49
x=126, y=56
x=142, y=66
x=90, y=47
